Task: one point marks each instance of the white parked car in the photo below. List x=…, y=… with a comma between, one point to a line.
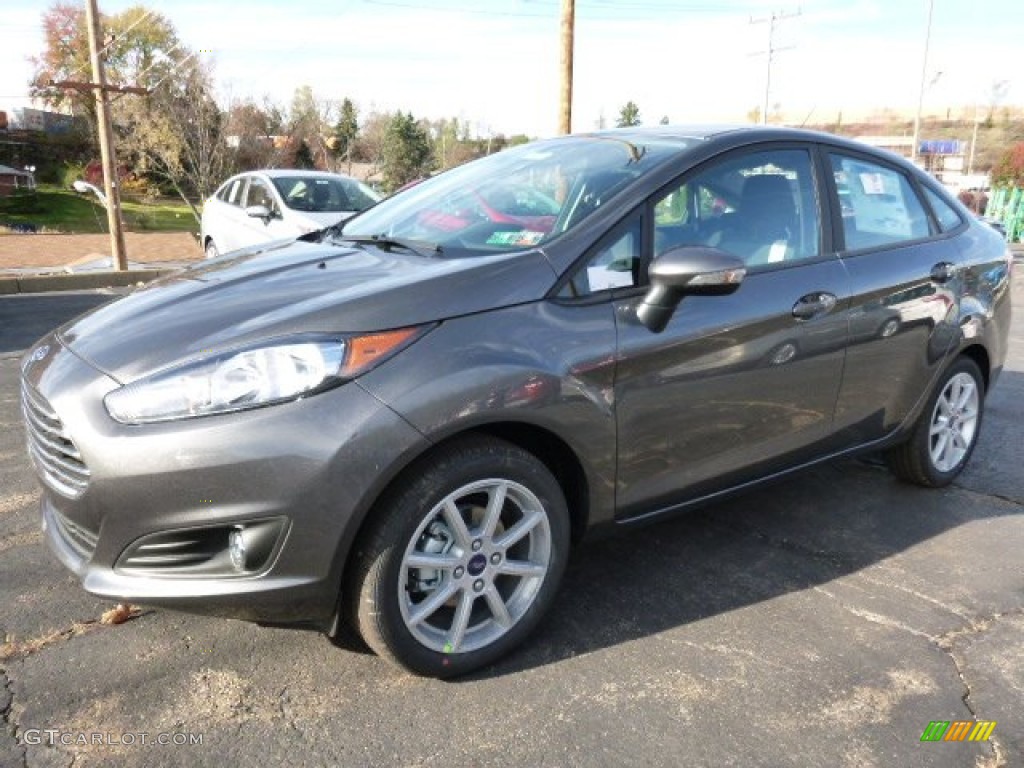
x=260, y=206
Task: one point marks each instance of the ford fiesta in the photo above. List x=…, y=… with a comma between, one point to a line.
x=401, y=425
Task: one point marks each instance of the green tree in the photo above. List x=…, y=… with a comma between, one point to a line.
x=629, y=115
x=406, y=151
x=346, y=131
x=310, y=124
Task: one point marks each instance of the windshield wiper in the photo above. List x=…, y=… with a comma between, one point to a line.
x=419, y=247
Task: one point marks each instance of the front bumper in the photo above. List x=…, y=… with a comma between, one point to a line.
x=312, y=466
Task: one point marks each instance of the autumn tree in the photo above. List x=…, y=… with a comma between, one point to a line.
x=178, y=136
x=250, y=130
x=141, y=48
x=1009, y=170
x=175, y=134
x=629, y=115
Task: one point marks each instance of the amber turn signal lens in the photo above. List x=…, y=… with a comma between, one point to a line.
x=365, y=351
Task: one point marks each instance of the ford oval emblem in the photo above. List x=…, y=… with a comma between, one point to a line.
x=37, y=354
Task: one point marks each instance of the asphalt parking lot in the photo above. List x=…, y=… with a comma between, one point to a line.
x=824, y=621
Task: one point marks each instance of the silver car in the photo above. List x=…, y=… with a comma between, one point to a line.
x=263, y=206
x=401, y=425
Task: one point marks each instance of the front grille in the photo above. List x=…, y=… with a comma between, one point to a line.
x=78, y=537
x=51, y=448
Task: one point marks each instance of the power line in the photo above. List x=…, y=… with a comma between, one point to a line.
x=610, y=9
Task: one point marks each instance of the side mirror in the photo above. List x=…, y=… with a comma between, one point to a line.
x=690, y=270
x=259, y=212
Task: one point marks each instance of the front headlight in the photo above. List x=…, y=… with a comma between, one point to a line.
x=251, y=377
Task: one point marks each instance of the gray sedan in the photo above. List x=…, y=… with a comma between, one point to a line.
x=399, y=426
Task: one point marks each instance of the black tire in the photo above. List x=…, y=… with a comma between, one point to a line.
x=503, y=581
x=915, y=460
x=210, y=250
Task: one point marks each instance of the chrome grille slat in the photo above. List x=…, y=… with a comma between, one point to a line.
x=69, y=473
x=78, y=536
x=141, y=561
x=54, y=453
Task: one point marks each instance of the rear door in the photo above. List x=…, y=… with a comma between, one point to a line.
x=904, y=298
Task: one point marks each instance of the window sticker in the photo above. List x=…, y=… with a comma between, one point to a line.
x=873, y=183
x=523, y=237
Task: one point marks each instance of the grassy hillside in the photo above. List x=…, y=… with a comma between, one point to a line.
x=52, y=209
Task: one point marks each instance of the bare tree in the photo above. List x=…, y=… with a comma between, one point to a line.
x=178, y=136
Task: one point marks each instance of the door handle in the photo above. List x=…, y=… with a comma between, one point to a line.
x=943, y=272
x=814, y=305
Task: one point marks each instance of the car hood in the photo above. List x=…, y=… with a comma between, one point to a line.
x=290, y=288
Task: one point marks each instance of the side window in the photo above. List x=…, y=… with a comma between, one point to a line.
x=231, y=192
x=760, y=206
x=613, y=263
x=948, y=218
x=879, y=205
x=259, y=194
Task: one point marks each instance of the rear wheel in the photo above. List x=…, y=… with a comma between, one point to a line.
x=947, y=430
x=464, y=561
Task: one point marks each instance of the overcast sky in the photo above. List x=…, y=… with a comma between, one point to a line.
x=495, y=62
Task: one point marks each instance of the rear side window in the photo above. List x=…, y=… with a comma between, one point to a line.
x=259, y=194
x=231, y=192
x=879, y=206
x=948, y=218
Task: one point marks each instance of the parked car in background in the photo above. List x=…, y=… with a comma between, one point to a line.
x=262, y=206
x=400, y=429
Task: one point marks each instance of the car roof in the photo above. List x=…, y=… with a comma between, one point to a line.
x=281, y=173
x=738, y=134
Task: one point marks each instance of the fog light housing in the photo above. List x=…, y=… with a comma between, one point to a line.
x=237, y=549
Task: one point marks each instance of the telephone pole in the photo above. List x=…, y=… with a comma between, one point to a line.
x=770, y=54
x=924, y=76
x=106, y=137
x=565, y=101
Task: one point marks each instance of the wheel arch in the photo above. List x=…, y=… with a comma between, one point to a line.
x=550, y=449
x=980, y=356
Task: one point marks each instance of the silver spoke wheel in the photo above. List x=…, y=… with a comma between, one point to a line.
x=954, y=422
x=474, y=566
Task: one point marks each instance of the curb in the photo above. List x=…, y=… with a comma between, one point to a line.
x=13, y=284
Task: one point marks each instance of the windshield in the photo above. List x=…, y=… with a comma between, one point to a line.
x=515, y=199
x=317, y=194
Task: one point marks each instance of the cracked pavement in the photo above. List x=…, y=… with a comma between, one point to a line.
x=825, y=620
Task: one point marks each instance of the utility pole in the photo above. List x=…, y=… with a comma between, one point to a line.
x=770, y=53
x=565, y=101
x=924, y=76
x=106, y=136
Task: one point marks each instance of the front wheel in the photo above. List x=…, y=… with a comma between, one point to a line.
x=947, y=430
x=465, y=559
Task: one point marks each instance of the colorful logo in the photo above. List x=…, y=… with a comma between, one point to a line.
x=958, y=730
